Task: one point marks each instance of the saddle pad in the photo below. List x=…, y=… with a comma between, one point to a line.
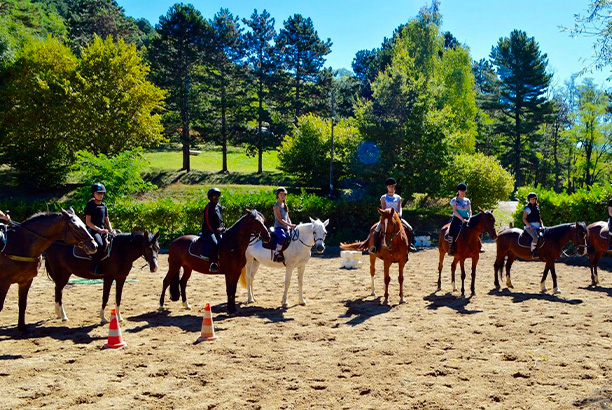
x=195, y=249
x=603, y=234
x=81, y=254
x=525, y=240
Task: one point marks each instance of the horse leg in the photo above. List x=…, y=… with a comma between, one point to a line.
x=183, y=284
x=474, y=264
x=372, y=272
x=400, y=279
x=24, y=288
x=498, y=267
x=300, y=270
x=3, y=291
x=553, y=273
x=453, y=268
x=108, y=282
x=288, y=272
x=462, y=264
x=174, y=268
x=252, y=266
x=543, y=281
x=59, y=290
x=387, y=266
x=231, y=283
x=119, y=282
x=440, y=265
x=509, y=263
x=594, y=262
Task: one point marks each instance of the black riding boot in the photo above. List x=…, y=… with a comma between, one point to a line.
x=376, y=246
x=452, y=247
x=534, y=252
x=609, y=242
x=412, y=240
x=213, y=267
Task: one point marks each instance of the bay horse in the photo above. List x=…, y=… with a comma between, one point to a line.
x=554, y=238
x=297, y=255
x=597, y=240
x=61, y=262
x=468, y=246
x=232, y=259
x=25, y=243
x=394, y=249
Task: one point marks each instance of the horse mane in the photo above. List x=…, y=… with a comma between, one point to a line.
x=40, y=215
x=560, y=229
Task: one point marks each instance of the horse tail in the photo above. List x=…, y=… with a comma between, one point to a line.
x=175, y=290
x=243, y=281
x=355, y=246
x=48, y=268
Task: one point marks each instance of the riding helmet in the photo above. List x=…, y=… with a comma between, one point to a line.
x=98, y=187
x=280, y=189
x=532, y=195
x=462, y=187
x=391, y=181
x=212, y=191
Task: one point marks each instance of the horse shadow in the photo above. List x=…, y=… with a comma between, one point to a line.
x=78, y=335
x=363, y=310
x=518, y=297
x=450, y=301
x=598, y=288
x=271, y=315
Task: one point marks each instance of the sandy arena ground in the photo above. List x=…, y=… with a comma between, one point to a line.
x=514, y=349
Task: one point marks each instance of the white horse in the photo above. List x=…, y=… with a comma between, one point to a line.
x=297, y=254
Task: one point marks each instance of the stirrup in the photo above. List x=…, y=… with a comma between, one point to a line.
x=373, y=249
x=97, y=270
x=213, y=267
x=278, y=257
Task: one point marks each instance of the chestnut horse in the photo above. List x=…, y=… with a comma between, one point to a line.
x=597, y=239
x=26, y=241
x=553, y=240
x=394, y=249
x=468, y=246
x=232, y=259
x=61, y=263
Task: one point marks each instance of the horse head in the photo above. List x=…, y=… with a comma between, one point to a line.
x=151, y=250
x=258, y=227
x=579, y=237
x=77, y=232
x=390, y=226
x=489, y=223
x=319, y=233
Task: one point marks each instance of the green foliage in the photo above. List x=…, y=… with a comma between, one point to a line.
x=306, y=153
x=583, y=205
x=120, y=174
x=488, y=182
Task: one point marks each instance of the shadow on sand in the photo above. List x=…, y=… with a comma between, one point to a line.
x=363, y=310
x=518, y=297
x=450, y=301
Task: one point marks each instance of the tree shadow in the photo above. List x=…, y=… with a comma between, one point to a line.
x=598, y=288
x=518, y=297
x=363, y=310
x=451, y=301
x=78, y=335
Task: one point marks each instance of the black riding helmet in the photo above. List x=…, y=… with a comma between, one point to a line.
x=212, y=191
x=391, y=181
x=280, y=189
x=98, y=187
x=532, y=195
x=462, y=187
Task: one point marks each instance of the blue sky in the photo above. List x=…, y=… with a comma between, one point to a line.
x=358, y=24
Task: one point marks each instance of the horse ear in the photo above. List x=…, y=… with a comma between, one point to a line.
x=68, y=213
x=481, y=210
x=380, y=211
x=326, y=222
x=247, y=211
x=156, y=236
x=312, y=220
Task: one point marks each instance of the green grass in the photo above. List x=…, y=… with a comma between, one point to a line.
x=183, y=193
x=211, y=160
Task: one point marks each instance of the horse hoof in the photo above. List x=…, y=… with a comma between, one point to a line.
x=284, y=305
x=373, y=294
x=557, y=291
x=385, y=302
x=302, y=302
x=402, y=301
x=103, y=321
x=186, y=306
x=161, y=309
x=64, y=319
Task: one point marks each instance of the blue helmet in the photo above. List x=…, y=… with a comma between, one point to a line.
x=532, y=195
x=462, y=187
x=98, y=187
x=212, y=191
x=390, y=181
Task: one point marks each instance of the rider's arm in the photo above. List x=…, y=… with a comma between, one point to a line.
x=4, y=216
x=400, y=208
x=108, y=225
x=383, y=203
x=610, y=211
x=525, y=219
x=90, y=225
x=470, y=209
x=456, y=213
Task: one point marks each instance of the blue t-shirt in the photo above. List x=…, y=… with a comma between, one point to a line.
x=463, y=206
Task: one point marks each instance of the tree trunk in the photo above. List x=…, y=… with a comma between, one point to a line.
x=259, y=133
x=224, y=128
x=185, y=135
x=517, y=149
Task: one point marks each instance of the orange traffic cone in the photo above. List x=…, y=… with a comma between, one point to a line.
x=208, y=330
x=115, y=340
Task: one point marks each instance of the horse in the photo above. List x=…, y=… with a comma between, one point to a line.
x=61, y=261
x=26, y=241
x=232, y=259
x=394, y=249
x=297, y=254
x=553, y=240
x=468, y=246
x=597, y=240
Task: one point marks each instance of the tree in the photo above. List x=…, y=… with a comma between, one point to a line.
x=175, y=55
x=302, y=55
x=524, y=82
x=122, y=109
x=592, y=132
x=263, y=63
x=597, y=22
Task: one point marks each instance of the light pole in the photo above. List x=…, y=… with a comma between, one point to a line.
x=331, y=156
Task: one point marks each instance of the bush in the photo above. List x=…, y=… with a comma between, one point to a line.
x=582, y=206
x=488, y=182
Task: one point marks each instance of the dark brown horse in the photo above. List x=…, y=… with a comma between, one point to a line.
x=232, y=259
x=597, y=239
x=394, y=249
x=553, y=240
x=25, y=242
x=61, y=262
x=468, y=246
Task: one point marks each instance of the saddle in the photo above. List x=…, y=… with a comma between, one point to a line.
x=81, y=254
x=200, y=248
x=271, y=245
x=2, y=236
x=602, y=234
x=525, y=240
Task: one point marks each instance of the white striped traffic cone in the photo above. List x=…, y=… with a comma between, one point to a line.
x=208, y=330
x=115, y=340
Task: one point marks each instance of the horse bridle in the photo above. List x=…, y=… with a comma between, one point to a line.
x=394, y=234
x=313, y=237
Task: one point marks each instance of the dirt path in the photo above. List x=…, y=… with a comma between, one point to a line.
x=514, y=349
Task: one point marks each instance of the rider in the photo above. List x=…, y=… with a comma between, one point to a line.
x=392, y=200
x=7, y=218
x=212, y=227
x=610, y=225
x=282, y=222
x=96, y=219
x=462, y=211
x=4, y=216
x=533, y=222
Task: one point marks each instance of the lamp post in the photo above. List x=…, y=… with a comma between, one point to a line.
x=331, y=156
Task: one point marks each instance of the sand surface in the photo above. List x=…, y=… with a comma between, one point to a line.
x=513, y=349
